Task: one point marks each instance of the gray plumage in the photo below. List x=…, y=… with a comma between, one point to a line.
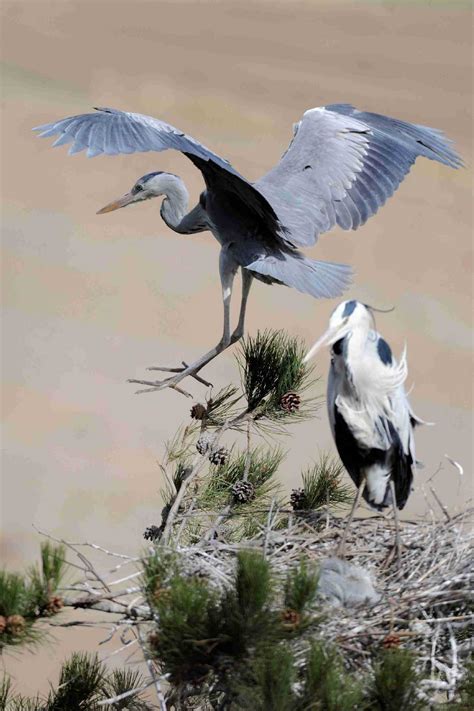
x=343, y=584
x=340, y=167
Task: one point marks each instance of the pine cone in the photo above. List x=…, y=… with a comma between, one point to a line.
x=3, y=624
x=219, y=456
x=204, y=443
x=290, y=402
x=391, y=641
x=54, y=605
x=15, y=625
x=298, y=500
x=152, y=533
x=243, y=491
x=290, y=618
x=198, y=411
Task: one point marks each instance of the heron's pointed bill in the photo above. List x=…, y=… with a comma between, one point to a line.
x=332, y=335
x=116, y=204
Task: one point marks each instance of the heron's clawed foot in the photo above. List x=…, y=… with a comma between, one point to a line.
x=182, y=372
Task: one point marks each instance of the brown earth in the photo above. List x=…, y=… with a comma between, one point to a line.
x=90, y=301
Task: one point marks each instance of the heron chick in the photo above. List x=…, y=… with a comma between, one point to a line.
x=339, y=169
x=371, y=420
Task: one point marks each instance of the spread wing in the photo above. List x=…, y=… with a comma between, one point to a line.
x=108, y=131
x=341, y=167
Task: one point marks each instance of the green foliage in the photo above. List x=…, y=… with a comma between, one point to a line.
x=262, y=466
x=181, y=446
x=395, y=681
x=327, y=686
x=245, y=608
x=158, y=569
x=25, y=598
x=189, y=628
x=5, y=689
x=221, y=407
x=44, y=581
x=322, y=485
x=80, y=684
x=466, y=689
x=13, y=594
x=300, y=587
x=83, y=683
x=275, y=672
x=119, y=682
x=272, y=365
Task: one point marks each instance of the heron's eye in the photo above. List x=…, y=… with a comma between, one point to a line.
x=137, y=188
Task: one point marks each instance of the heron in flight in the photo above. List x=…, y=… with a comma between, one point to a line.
x=371, y=420
x=339, y=169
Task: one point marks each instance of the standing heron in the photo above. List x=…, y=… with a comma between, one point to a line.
x=371, y=419
x=339, y=169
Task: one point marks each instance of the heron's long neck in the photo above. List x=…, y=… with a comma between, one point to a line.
x=175, y=204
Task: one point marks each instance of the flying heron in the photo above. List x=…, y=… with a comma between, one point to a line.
x=339, y=169
x=371, y=419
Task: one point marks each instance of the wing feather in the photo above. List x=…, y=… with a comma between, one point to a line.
x=341, y=167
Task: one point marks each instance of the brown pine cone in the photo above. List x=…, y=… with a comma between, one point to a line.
x=3, y=624
x=219, y=456
x=243, y=491
x=298, y=500
x=391, y=641
x=204, y=443
x=290, y=618
x=198, y=411
x=290, y=402
x=15, y=625
x=55, y=604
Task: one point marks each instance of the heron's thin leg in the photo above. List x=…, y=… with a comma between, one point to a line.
x=342, y=544
x=227, y=270
x=247, y=279
x=398, y=542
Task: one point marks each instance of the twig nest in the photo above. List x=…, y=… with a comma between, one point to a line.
x=204, y=443
x=54, y=605
x=219, y=456
x=198, y=411
x=15, y=625
x=298, y=500
x=243, y=491
x=290, y=402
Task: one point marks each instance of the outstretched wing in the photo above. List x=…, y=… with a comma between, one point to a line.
x=108, y=131
x=111, y=132
x=341, y=167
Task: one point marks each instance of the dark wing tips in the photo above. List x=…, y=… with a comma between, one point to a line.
x=422, y=140
x=436, y=146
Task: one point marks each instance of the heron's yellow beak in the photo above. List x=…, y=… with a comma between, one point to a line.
x=121, y=202
x=327, y=339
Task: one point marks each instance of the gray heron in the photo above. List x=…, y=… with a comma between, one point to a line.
x=371, y=420
x=339, y=169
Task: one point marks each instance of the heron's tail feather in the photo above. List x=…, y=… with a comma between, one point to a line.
x=323, y=280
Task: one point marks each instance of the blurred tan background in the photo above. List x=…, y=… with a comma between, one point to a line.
x=90, y=301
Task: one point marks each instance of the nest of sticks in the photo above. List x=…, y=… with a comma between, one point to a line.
x=425, y=603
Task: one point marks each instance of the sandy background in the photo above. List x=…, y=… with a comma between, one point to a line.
x=90, y=301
